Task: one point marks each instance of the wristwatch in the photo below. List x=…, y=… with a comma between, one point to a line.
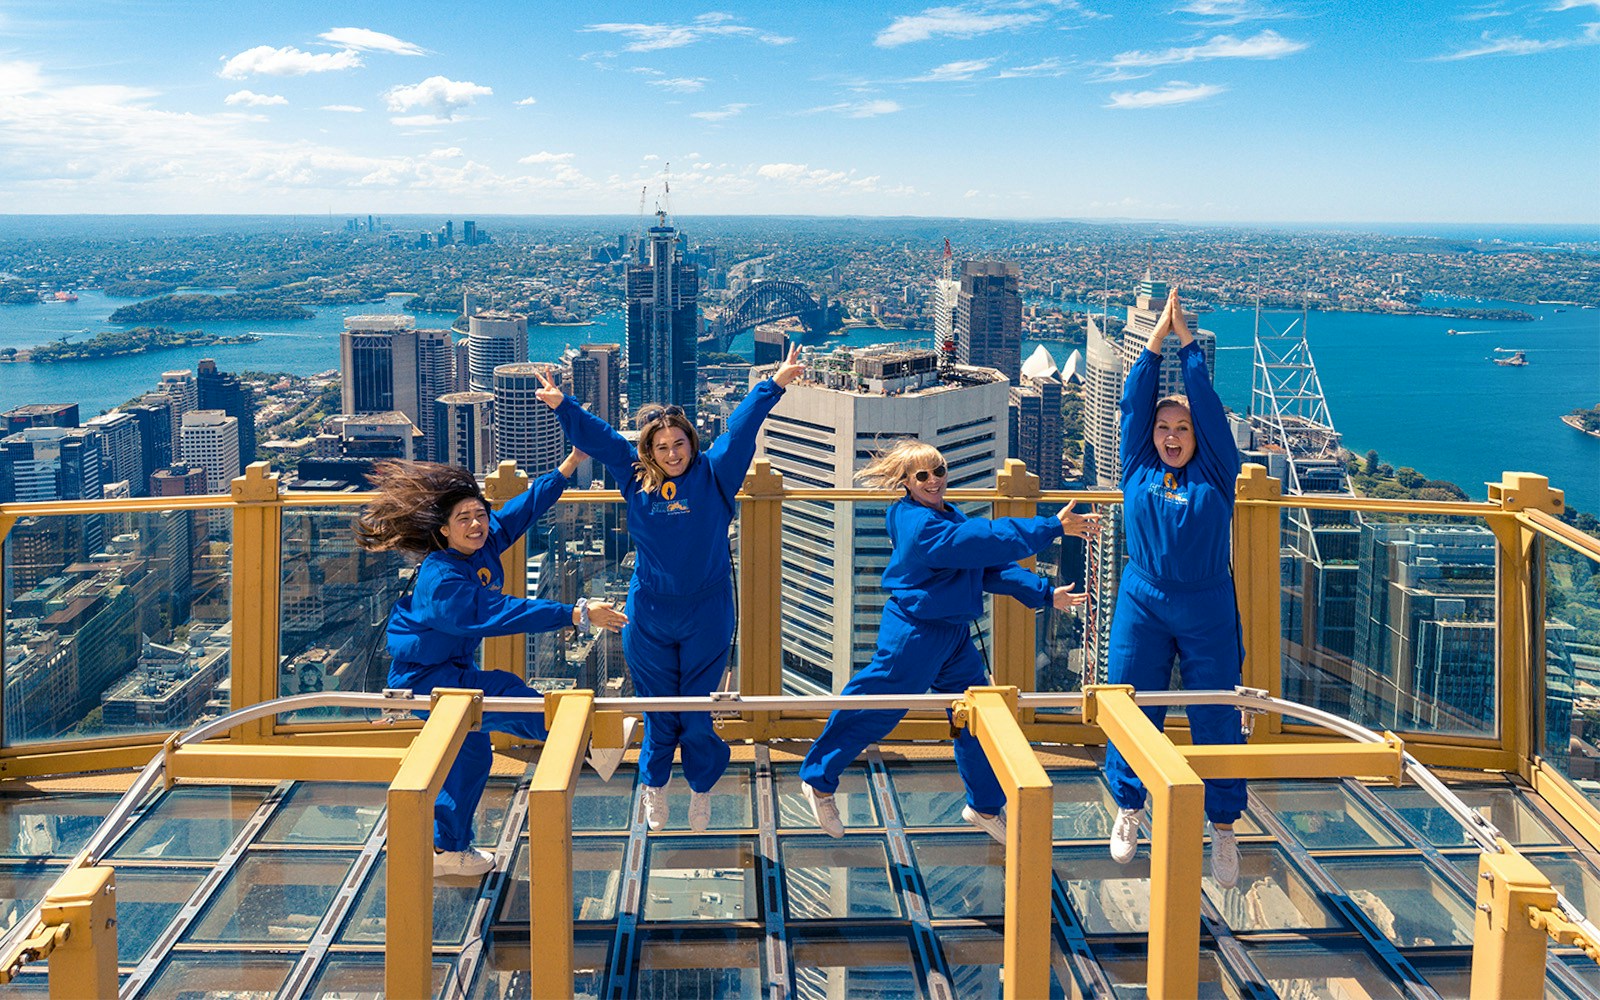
x=583, y=614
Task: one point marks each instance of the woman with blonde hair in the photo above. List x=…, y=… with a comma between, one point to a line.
x=680, y=602
x=438, y=513
x=940, y=566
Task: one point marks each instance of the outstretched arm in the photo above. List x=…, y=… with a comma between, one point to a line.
x=588, y=432
x=1029, y=588
x=730, y=457
x=457, y=606
x=980, y=543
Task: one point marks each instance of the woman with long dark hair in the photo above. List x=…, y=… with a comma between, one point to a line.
x=438, y=513
x=680, y=603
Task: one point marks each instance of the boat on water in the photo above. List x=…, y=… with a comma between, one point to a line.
x=1518, y=359
x=1452, y=331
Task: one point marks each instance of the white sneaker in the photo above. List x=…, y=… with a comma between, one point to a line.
x=994, y=826
x=655, y=806
x=468, y=863
x=824, y=809
x=606, y=760
x=1125, y=835
x=699, y=811
x=1224, y=858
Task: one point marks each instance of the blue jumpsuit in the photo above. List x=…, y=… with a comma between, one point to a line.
x=434, y=631
x=1176, y=596
x=940, y=565
x=680, y=602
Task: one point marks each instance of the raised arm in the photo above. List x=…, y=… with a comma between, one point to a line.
x=587, y=432
x=730, y=456
x=1215, y=452
x=513, y=519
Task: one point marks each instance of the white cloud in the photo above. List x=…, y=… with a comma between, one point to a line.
x=681, y=84
x=439, y=98
x=1515, y=45
x=963, y=69
x=1265, y=45
x=1228, y=11
x=960, y=21
x=651, y=37
x=1173, y=93
x=344, y=108
x=727, y=111
x=367, y=40
x=971, y=193
x=450, y=153
x=547, y=157
x=251, y=99
x=821, y=178
x=858, y=109
x=1574, y=4
x=651, y=156
x=527, y=102
x=1045, y=67
x=265, y=60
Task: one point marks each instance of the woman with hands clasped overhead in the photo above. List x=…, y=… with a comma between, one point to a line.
x=939, y=567
x=1176, y=598
x=680, y=603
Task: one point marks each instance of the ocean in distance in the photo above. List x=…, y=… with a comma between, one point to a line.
x=1398, y=384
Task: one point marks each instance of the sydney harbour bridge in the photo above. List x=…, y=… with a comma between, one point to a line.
x=764, y=302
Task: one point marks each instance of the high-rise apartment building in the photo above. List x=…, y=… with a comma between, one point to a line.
x=387, y=367
x=121, y=450
x=219, y=390
x=663, y=320
x=466, y=420
x=988, y=316
x=43, y=464
x=525, y=430
x=494, y=338
x=823, y=430
x=210, y=439
x=179, y=387
x=946, y=297
x=597, y=381
x=1035, y=423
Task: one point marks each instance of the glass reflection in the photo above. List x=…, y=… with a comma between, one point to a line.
x=452, y=908
x=701, y=878
x=854, y=799
x=191, y=823
x=963, y=873
x=503, y=971
x=272, y=897
x=975, y=958
x=147, y=900
x=49, y=824
x=490, y=818
x=732, y=801
x=851, y=963
x=351, y=975
x=1272, y=895
x=929, y=796
x=824, y=877
x=220, y=975
x=722, y=965
x=1084, y=808
x=596, y=880
x=1126, y=965
x=1404, y=899
x=1499, y=804
x=1322, y=969
x=1107, y=897
x=319, y=812
x=1324, y=815
x=1571, y=720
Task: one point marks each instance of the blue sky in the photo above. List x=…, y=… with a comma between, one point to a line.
x=1192, y=110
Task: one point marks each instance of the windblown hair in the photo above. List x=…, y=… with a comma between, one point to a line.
x=414, y=501
x=895, y=466
x=1177, y=399
x=646, y=470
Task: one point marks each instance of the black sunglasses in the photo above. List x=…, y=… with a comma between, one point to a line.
x=655, y=413
x=937, y=473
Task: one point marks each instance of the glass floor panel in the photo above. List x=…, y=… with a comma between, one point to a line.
x=701, y=878
x=1451, y=975
x=854, y=799
x=1325, y=815
x=964, y=873
x=191, y=823
x=596, y=880
x=826, y=878
x=1084, y=808
x=833, y=964
x=677, y=964
x=602, y=806
x=929, y=796
x=347, y=975
x=49, y=826
x=272, y=897
x=1408, y=902
x=732, y=802
x=1498, y=803
x=452, y=909
x=21, y=886
x=1126, y=966
x=503, y=972
x=1272, y=895
x=147, y=900
x=327, y=813
x=220, y=975
x=1323, y=969
x=975, y=958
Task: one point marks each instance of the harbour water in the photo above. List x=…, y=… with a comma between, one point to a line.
x=1399, y=384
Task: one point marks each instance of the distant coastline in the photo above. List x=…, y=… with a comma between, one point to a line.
x=1575, y=421
x=188, y=308
x=122, y=343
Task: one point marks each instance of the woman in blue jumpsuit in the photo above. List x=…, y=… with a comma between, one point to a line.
x=940, y=565
x=680, y=601
x=438, y=512
x=1176, y=599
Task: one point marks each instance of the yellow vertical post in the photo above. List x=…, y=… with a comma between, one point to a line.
x=569, y=715
x=1508, y=951
x=1018, y=496
x=84, y=963
x=1520, y=611
x=760, y=588
x=1257, y=538
x=508, y=652
x=991, y=716
x=408, y=937
x=6, y=521
x=1177, y=823
x=257, y=571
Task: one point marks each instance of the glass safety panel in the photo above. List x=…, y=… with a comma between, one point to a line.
x=1126, y=965
x=1271, y=895
x=503, y=971
x=334, y=599
x=701, y=878
x=1389, y=620
x=1107, y=897
x=1451, y=975
x=220, y=975
x=676, y=964
x=326, y=812
x=929, y=796
x=116, y=624
x=1084, y=808
x=826, y=878
x=1325, y=815
x=272, y=897
x=976, y=956
x=964, y=874
x=854, y=799
x=191, y=823
x=147, y=900
x=579, y=550
x=452, y=909
x=21, y=886
x=596, y=881
x=1323, y=969
x=603, y=806
x=1498, y=803
x=829, y=569
x=732, y=801
x=49, y=824
x=1408, y=902
x=1571, y=721
x=851, y=963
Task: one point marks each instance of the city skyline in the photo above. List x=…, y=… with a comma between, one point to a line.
x=1250, y=111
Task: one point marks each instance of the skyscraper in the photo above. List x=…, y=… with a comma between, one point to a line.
x=223, y=391
x=153, y=414
x=1036, y=419
x=467, y=422
x=525, y=430
x=178, y=386
x=988, y=316
x=121, y=450
x=210, y=440
x=41, y=415
x=494, y=338
x=597, y=381
x=387, y=366
x=663, y=320
x=436, y=361
x=822, y=431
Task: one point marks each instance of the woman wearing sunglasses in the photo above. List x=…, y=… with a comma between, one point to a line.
x=940, y=565
x=1176, y=598
x=680, y=602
